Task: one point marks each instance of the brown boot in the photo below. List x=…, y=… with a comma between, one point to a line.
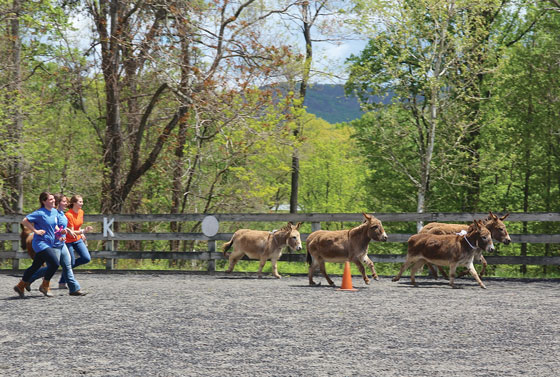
x=45, y=289
x=19, y=288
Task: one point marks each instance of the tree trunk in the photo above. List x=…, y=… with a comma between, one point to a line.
x=112, y=154
x=15, y=128
x=527, y=179
x=295, y=182
x=307, y=24
x=179, y=163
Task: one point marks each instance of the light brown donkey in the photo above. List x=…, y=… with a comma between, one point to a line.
x=344, y=245
x=26, y=237
x=494, y=224
x=447, y=250
x=262, y=245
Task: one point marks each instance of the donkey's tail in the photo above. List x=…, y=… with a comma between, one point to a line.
x=309, y=260
x=228, y=245
x=23, y=236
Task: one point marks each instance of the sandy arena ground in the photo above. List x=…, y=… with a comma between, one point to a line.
x=149, y=324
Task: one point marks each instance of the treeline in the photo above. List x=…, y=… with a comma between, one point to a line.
x=155, y=107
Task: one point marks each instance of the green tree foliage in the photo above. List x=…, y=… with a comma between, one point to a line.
x=505, y=95
x=36, y=93
x=333, y=169
x=523, y=161
x=430, y=59
x=425, y=55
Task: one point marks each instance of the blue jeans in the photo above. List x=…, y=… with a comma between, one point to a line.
x=51, y=256
x=67, y=273
x=81, y=249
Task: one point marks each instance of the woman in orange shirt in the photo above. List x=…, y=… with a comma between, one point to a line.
x=76, y=244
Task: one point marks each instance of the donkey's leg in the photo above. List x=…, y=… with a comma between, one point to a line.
x=475, y=275
x=369, y=262
x=324, y=271
x=433, y=271
x=452, y=271
x=415, y=267
x=443, y=273
x=262, y=262
x=312, y=267
x=362, y=270
x=274, y=261
x=405, y=265
x=234, y=257
x=463, y=273
x=484, y=264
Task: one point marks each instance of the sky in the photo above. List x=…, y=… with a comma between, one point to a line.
x=328, y=57
x=337, y=55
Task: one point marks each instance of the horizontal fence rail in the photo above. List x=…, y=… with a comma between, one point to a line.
x=11, y=222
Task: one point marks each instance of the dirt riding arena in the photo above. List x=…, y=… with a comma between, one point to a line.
x=217, y=325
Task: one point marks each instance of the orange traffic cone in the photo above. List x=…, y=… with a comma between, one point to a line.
x=347, y=279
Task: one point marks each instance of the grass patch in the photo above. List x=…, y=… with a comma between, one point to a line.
x=290, y=268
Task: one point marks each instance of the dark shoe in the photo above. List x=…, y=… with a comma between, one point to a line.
x=78, y=293
x=28, y=287
x=19, y=291
x=62, y=286
x=46, y=291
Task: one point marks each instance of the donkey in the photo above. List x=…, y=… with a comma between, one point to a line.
x=494, y=224
x=262, y=245
x=447, y=250
x=344, y=245
x=26, y=237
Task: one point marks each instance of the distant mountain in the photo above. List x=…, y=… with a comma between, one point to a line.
x=331, y=104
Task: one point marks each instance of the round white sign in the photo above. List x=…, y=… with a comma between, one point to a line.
x=210, y=226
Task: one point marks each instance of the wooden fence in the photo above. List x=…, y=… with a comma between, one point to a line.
x=11, y=230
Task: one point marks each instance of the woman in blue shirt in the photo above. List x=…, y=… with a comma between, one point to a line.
x=43, y=223
x=60, y=202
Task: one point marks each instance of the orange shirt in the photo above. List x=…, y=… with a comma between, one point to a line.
x=75, y=221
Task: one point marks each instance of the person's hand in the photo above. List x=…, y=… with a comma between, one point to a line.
x=39, y=232
x=89, y=228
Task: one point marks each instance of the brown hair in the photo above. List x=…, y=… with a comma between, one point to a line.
x=74, y=199
x=43, y=196
x=58, y=198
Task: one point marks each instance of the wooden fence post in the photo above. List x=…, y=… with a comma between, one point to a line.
x=109, y=262
x=315, y=226
x=15, y=247
x=109, y=244
x=211, y=249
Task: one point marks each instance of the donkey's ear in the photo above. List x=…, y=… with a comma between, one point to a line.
x=504, y=216
x=368, y=217
x=290, y=224
x=492, y=216
x=297, y=225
